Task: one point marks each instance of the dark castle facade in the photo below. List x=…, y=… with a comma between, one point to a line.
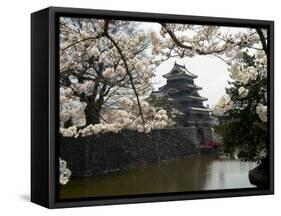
x=181, y=88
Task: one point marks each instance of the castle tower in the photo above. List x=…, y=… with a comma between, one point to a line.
x=181, y=88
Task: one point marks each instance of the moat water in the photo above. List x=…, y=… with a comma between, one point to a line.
x=204, y=172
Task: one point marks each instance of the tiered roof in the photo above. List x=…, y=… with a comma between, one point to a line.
x=179, y=71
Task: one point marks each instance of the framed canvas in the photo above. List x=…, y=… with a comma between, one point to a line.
x=139, y=107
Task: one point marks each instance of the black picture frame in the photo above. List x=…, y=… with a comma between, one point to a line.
x=44, y=106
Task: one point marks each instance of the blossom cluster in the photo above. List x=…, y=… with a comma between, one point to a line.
x=243, y=75
x=68, y=132
x=188, y=40
x=128, y=117
x=70, y=107
x=223, y=105
x=65, y=173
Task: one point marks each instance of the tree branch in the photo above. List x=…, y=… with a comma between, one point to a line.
x=180, y=44
x=126, y=67
x=263, y=39
x=79, y=41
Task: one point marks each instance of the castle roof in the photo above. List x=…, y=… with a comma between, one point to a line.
x=203, y=109
x=197, y=97
x=179, y=71
x=183, y=86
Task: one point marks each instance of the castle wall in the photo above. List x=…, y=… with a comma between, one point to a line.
x=110, y=152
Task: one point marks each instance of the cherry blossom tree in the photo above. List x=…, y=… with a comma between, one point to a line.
x=244, y=114
x=105, y=73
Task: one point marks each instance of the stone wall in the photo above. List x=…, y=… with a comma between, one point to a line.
x=104, y=153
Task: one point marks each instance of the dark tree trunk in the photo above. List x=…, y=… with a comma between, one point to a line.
x=92, y=114
x=94, y=105
x=68, y=123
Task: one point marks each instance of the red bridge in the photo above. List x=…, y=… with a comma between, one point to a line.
x=211, y=144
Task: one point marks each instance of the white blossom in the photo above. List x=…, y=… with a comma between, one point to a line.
x=104, y=59
x=108, y=73
x=262, y=112
x=99, y=128
x=120, y=71
x=94, y=51
x=243, y=92
x=223, y=105
x=126, y=102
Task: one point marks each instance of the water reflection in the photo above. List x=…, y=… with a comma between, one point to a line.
x=192, y=174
